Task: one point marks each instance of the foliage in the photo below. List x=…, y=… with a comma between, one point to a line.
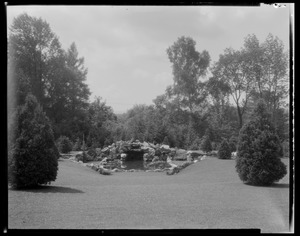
x=166, y=141
x=195, y=145
x=233, y=143
x=258, y=160
x=38, y=65
x=206, y=144
x=224, y=150
x=32, y=154
x=64, y=144
x=188, y=65
x=193, y=106
x=77, y=145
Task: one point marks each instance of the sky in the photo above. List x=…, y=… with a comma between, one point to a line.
x=124, y=47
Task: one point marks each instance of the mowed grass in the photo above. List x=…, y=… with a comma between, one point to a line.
x=205, y=195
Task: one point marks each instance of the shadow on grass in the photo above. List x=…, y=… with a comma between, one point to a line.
x=274, y=185
x=49, y=189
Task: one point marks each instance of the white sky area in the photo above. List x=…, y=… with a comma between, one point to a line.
x=125, y=46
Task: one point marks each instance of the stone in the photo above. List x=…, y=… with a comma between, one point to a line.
x=104, y=171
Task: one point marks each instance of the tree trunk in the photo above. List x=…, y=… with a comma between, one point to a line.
x=240, y=116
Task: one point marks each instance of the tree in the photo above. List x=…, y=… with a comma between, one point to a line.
x=233, y=70
x=269, y=66
x=31, y=45
x=64, y=144
x=32, y=158
x=99, y=116
x=206, y=144
x=188, y=66
x=224, y=150
x=259, y=150
x=275, y=73
x=37, y=64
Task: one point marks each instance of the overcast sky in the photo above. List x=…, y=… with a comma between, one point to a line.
x=125, y=46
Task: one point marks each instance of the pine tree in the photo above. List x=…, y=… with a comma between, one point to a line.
x=32, y=158
x=258, y=158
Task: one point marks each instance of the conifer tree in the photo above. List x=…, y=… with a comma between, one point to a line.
x=258, y=158
x=32, y=154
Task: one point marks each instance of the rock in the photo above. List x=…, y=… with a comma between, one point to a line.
x=123, y=155
x=104, y=171
x=80, y=162
x=165, y=148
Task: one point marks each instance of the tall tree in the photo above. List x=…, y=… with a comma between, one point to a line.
x=188, y=66
x=38, y=65
x=275, y=73
x=31, y=44
x=233, y=69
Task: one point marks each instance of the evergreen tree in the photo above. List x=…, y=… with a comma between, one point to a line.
x=259, y=150
x=206, y=144
x=32, y=158
x=224, y=150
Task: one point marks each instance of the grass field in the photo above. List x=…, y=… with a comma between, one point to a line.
x=205, y=195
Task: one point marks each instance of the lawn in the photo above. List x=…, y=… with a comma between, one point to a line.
x=205, y=195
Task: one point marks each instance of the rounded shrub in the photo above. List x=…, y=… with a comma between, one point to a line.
x=64, y=144
x=32, y=153
x=258, y=158
x=224, y=150
x=206, y=144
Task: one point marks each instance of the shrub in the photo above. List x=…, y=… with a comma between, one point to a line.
x=32, y=154
x=206, y=144
x=64, y=144
x=258, y=158
x=224, y=150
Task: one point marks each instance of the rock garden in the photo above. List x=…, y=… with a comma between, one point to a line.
x=133, y=156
